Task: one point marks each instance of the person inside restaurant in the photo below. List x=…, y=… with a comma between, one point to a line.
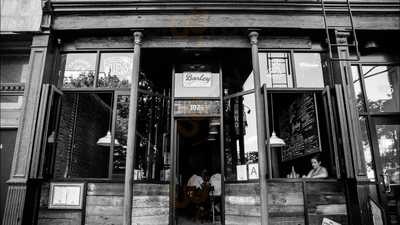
x=317, y=171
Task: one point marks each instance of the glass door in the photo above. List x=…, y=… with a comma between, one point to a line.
x=386, y=142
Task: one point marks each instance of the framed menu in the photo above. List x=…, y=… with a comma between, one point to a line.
x=299, y=128
x=66, y=195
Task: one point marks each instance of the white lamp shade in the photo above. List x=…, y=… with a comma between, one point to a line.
x=106, y=140
x=275, y=141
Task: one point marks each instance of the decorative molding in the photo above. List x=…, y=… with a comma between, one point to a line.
x=154, y=6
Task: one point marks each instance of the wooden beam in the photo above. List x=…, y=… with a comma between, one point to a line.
x=180, y=41
x=389, y=21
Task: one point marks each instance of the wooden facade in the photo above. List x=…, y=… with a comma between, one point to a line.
x=256, y=26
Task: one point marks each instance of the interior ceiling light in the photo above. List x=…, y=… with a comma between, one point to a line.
x=106, y=140
x=274, y=140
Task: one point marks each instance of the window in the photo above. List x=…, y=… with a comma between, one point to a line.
x=291, y=70
x=81, y=70
x=241, y=150
x=377, y=96
x=94, y=118
x=115, y=70
x=308, y=69
x=13, y=72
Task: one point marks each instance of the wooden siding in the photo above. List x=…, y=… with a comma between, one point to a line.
x=104, y=204
x=326, y=200
x=285, y=203
x=48, y=216
x=242, y=204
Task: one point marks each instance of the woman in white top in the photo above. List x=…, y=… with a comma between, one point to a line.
x=318, y=171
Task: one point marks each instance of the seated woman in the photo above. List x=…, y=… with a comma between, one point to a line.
x=318, y=171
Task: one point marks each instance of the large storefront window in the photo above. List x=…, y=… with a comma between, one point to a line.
x=93, y=133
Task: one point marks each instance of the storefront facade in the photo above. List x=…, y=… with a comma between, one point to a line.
x=126, y=100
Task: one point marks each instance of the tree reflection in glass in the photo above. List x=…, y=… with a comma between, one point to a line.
x=79, y=70
x=115, y=70
x=382, y=84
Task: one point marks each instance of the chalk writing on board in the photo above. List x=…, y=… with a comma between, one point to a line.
x=299, y=128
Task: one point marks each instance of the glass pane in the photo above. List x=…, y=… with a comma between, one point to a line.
x=357, y=89
x=79, y=70
x=115, y=70
x=152, y=149
x=308, y=69
x=389, y=151
x=121, y=134
x=83, y=142
x=275, y=70
x=382, y=84
x=366, y=146
x=13, y=69
x=241, y=151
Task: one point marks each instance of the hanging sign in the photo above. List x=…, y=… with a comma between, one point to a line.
x=197, y=79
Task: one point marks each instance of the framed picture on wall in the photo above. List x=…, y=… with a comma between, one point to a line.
x=66, y=195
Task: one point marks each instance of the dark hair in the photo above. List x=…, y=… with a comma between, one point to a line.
x=317, y=157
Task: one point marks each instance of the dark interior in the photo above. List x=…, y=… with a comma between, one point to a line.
x=197, y=151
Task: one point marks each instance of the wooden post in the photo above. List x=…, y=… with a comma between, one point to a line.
x=130, y=154
x=260, y=127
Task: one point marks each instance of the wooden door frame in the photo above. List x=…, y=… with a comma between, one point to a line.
x=175, y=151
x=373, y=120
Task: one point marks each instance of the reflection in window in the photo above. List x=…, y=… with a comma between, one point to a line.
x=308, y=69
x=382, y=86
x=79, y=70
x=357, y=89
x=389, y=151
x=84, y=119
x=241, y=151
x=152, y=149
x=367, y=149
x=115, y=70
x=121, y=134
x=275, y=69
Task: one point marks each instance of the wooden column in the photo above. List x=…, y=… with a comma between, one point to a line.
x=260, y=127
x=20, y=191
x=351, y=151
x=130, y=154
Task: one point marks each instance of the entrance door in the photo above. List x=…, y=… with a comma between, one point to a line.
x=198, y=171
x=386, y=136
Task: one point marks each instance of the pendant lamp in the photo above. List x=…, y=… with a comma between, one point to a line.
x=274, y=140
x=106, y=140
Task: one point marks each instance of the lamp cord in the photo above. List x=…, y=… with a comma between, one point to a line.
x=272, y=113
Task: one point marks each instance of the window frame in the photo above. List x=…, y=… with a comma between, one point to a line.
x=367, y=115
x=292, y=66
x=98, y=53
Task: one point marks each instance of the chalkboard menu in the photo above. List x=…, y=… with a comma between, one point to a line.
x=299, y=127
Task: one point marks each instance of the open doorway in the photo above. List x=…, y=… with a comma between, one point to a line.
x=198, y=189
